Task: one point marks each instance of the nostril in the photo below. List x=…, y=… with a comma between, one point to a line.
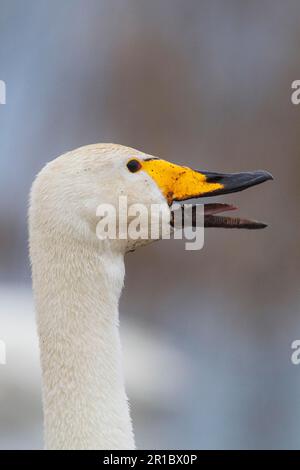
x=214, y=178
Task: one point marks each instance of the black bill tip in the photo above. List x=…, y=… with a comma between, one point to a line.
x=233, y=182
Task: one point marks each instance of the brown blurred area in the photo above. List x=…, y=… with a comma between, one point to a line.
x=203, y=83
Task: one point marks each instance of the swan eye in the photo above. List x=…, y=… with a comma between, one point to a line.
x=134, y=166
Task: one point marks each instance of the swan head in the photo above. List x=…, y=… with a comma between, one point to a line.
x=68, y=192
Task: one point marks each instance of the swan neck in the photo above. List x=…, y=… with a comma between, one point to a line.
x=77, y=291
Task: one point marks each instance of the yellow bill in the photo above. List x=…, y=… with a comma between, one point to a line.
x=178, y=183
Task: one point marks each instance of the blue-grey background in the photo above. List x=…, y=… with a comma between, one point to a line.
x=207, y=335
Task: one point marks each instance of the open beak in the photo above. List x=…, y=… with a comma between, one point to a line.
x=179, y=183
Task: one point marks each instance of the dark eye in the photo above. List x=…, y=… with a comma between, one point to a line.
x=134, y=165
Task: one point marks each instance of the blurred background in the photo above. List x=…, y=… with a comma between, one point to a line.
x=207, y=335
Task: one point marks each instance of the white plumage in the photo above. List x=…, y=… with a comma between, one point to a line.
x=77, y=282
x=78, y=279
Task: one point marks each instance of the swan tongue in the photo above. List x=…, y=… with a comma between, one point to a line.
x=217, y=207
